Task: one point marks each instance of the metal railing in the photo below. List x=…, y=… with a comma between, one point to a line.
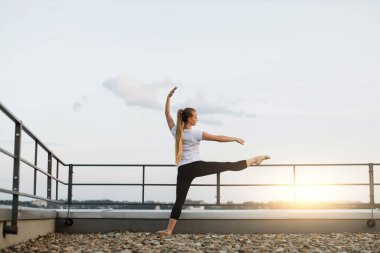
x=17, y=159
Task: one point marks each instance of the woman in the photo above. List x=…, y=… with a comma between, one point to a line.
x=188, y=160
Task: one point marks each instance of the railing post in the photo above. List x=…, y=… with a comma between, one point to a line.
x=56, y=182
x=49, y=177
x=218, y=188
x=371, y=186
x=143, y=185
x=70, y=190
x=35, y=170
x=12, y=229
x=294, y=184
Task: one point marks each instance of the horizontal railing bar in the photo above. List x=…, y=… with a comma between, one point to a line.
x=6, y=152
x=40, y=170
x=8, y=113
x=261, y=165
x=123, y=165
x=62, y=163
x=26, y=130
x=132, y=184
x=291, y=184
x=186, y=204
x=31, y=196
x=302, y=184
x=31, y=165
x=34, y=137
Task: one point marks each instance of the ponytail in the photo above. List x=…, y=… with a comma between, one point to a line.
x=179, y=137
x=182, y=118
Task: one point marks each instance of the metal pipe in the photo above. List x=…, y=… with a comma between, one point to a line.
x=12, y=229
x=70, y=189
x=143, y=185
x=218, y=188
x=49, y=176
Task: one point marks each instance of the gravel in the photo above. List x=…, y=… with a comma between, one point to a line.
x=128, y=241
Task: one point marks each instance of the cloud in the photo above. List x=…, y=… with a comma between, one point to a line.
x=78, y=104
x=205, y=106
x=136, y=93
x=211, y=121
x=139, y=94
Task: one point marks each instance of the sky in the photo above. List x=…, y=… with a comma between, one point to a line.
x=297, y=80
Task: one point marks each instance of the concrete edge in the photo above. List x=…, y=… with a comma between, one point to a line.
x=363, y=214
x=27, y=229
x=27, y=213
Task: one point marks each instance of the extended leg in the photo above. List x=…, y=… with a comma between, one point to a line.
x=205, y=168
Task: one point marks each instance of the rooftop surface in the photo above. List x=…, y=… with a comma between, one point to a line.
x=126, y=241
x=263, y=230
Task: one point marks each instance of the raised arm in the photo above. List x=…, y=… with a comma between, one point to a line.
x=221, y=138
x=169, y=118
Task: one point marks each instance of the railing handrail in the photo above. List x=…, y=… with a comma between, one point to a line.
x=173, y=165
x=18, y=159
x=29, y=132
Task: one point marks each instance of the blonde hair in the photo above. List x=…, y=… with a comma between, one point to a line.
x=182, y=116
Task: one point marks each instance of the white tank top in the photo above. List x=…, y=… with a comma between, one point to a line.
x=191, y=139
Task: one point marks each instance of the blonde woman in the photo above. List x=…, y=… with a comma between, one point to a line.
x=188, y=160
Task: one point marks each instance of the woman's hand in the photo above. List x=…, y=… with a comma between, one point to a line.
x=172, y=92
x=241, y=141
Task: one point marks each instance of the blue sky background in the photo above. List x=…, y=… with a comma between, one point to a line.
x=297, y=80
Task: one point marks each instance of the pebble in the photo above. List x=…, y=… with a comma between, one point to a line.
x=123, y=241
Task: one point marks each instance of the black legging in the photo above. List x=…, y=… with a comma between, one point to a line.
x=187, y=172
